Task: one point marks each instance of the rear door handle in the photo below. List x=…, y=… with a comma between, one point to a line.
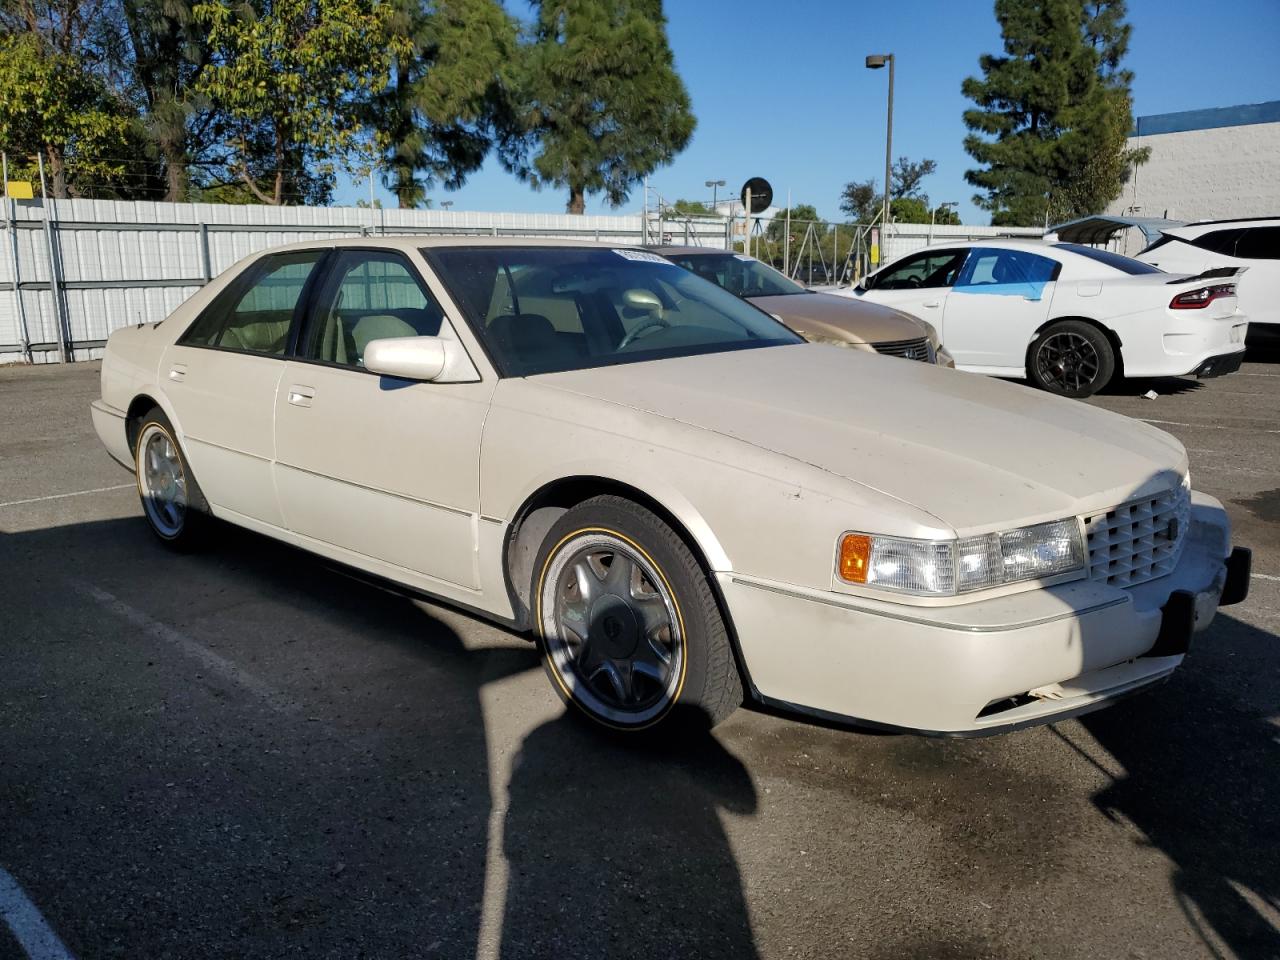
x=301, y=396
x=178, y=372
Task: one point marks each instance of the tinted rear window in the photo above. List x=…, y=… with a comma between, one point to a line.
x=1114, y=260
x=1259, y=243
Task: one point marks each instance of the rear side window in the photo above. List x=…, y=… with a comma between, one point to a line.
x=1006, y=272
x=1219, y=241
x=255, y=312
x=1259, y=243
x=1122, y=263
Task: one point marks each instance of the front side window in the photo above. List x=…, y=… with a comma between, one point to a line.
x=934, y=268
x=368, y=295
x=1259, y=243
x=741, y=275
x=255, y=312
x=547, y=309
x=1006, y=272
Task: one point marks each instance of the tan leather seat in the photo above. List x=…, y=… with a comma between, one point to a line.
x=262, y=336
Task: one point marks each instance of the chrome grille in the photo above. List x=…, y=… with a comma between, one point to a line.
x=909, y=349
x=1140, y=540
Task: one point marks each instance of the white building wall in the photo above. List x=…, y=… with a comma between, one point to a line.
x=1213, y=174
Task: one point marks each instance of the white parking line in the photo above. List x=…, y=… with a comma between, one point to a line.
x=26, y=924
x=60, y=496
x=1265, y=576
x=192, y=648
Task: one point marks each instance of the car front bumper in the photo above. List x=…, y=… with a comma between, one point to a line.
x=984, y=667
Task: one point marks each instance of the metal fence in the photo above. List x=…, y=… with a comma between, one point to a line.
x=71, y=271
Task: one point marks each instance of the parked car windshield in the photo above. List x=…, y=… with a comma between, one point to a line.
x=549, y=309
x=741, y=275
x=1123, y=264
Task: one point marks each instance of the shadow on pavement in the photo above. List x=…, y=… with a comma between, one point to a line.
x=1201, y=782
x=616, y=849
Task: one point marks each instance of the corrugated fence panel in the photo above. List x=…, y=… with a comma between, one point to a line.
x=126, y=262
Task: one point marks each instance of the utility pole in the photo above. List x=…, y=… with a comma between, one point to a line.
x=874, y=62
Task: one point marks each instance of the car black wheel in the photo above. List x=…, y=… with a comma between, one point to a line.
x=630, y=627
x=1071, y=358
x=171, y=498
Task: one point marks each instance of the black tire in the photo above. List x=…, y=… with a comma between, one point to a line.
x=594, y=673
x=1071, y=358
x=180, y=529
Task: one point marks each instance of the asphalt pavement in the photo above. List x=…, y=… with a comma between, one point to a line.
x=243, y=752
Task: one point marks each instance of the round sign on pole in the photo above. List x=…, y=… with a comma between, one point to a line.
x=761, y=194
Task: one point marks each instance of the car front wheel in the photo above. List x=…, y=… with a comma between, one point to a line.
x=1071, y=358
x=630, y=627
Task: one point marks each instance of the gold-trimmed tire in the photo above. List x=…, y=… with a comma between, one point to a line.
x=629, y=625
x=172, y=503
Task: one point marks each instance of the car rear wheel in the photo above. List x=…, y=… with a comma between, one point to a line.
x=171, y=498
x=1071, y=358
x=630, y=627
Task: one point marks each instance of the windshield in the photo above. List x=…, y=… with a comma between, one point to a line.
x=1123, y=264
x=548, y=309
x=741, y=275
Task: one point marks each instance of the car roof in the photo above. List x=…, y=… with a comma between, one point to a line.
x=673, y=250
x=999, y=243
x=1201, y=227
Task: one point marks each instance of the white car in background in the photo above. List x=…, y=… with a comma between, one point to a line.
x=1250, y=244
x=1067, y=317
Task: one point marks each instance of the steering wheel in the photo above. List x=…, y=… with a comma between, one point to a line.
x=650, y=324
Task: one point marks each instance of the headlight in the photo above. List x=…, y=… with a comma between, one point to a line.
x=944, y=568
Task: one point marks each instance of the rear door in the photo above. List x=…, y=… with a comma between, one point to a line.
x=386, y=469
x=221, y=377
x=918, y=283
x=998, y=301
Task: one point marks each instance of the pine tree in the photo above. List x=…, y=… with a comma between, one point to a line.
x=1052, y=113
x=434, y=120
x=599, y=104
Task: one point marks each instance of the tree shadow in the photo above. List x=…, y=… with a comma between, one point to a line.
x=616, y=848
x=1202, y=781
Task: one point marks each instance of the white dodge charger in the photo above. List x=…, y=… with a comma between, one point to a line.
x=685, y=502
x=1067, y=317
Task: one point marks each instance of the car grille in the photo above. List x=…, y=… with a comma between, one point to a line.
x=1140, y=540
x=910, y=349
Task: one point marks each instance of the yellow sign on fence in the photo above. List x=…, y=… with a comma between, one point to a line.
x=19, y=190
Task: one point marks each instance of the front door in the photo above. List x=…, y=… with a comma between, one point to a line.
x=999, y=300
x=221, y=377
x=918, y=283
x=386, y=469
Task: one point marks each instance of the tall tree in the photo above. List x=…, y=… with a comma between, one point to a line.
x=434, y=120
x=907, y=176
x=1052, y=112
x=862, y=199
x=599, y=103
x=294, y=78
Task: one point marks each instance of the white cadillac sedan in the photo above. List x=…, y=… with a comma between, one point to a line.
x=685, y=502
x=1067, y=317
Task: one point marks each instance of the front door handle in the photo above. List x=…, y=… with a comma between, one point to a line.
x=931, y=303
x=301, y=396
x=178, y=372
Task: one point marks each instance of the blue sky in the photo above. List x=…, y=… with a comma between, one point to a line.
x=780, y=91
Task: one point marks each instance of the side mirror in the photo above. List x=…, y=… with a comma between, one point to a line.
x=410, y=358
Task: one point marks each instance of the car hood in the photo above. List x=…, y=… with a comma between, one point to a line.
x=977, y=454
x=839, y=318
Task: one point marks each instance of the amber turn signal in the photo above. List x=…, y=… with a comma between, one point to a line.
x=855, y=556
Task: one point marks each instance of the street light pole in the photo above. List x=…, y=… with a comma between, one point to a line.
x=713, y=184
x=874, y=62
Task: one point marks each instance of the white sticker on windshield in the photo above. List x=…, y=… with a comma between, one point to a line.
x=644, y=256
x=742, y=256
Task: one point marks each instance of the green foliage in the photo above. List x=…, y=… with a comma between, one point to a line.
x=802, y=214
x=598, y=103
x=1052, y=113
x=292, y=77
x=54, y=105
x=692, y=208
x=433, y=122
x=908, y=203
